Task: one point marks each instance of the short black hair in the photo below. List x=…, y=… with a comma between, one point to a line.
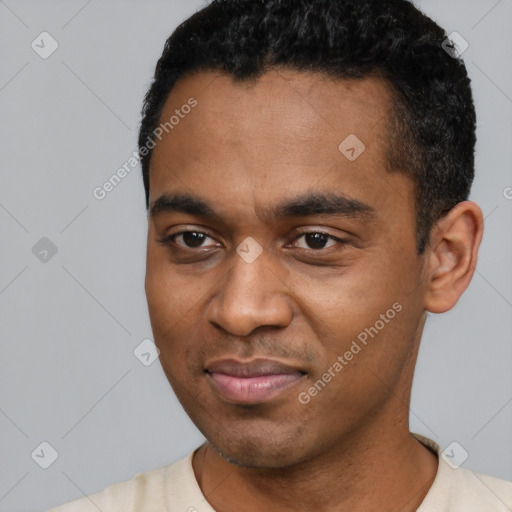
x=432, y=124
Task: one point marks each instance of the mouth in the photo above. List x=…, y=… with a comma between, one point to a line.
x=252, y=382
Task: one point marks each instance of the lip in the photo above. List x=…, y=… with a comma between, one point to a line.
x=251, y=382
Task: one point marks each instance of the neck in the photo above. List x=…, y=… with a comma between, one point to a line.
x=378, y=469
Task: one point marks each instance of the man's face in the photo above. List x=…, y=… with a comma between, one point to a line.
x=315, y=273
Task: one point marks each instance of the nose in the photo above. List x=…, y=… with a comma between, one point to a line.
x=250, y=295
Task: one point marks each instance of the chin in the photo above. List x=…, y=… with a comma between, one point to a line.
x=247, y=457
x=264, y=451
x=249, y=437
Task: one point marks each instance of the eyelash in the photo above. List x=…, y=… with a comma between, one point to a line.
x=169, y=240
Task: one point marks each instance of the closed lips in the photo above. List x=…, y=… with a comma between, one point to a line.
x=251, y=369
x=251, y=382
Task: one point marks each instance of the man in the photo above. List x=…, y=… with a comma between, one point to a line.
x=307, y=166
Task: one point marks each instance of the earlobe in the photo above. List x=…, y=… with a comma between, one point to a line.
x=452, y=256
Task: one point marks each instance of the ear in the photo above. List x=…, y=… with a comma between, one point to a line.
x=451, y=256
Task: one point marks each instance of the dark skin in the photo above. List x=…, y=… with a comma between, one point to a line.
x=244, y=149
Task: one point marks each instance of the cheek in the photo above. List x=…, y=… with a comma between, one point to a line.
x=368, y=320
x=339, y=309
x=356, y=377
x=170, y=297
x=174, y=305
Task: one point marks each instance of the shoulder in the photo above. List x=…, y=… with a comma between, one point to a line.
x=458, y=489
x=471, y=490
x=145, y=491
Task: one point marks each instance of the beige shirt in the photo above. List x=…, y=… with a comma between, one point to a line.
x=174, y=488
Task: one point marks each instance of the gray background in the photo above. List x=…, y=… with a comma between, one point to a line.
x=69, y=325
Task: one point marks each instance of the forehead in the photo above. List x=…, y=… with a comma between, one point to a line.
x=280, y=134
x=284, y=102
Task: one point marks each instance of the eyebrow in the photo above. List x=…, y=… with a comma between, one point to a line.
x=306, y=205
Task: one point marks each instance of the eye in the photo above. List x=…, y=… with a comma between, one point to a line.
x=188, y=239
x=313, y=240
x=316, y=240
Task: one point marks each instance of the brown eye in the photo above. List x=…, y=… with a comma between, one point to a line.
x=317, y=240
x=193, y=238
x=187, y=239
